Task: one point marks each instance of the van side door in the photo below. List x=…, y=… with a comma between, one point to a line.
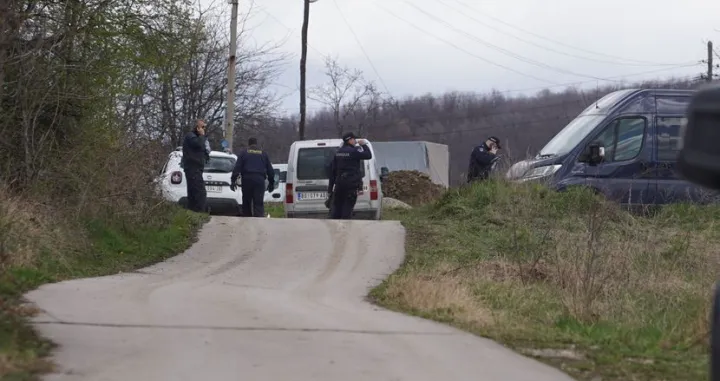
x=670, y=185
x=625, y=175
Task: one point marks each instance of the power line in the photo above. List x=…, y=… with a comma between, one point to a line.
x=621, y=77
x=361, y=46
x=461, y=49
x=277, y=20
x=500, y=49
x=552, y=40
x=542, y=46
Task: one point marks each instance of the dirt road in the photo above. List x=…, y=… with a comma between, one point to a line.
x=264, y=300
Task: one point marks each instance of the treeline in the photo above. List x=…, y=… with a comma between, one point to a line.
x=460, y=120
x=94, y=94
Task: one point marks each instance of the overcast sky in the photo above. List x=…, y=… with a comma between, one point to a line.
x=422, y=46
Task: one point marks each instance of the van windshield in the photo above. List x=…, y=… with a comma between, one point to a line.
x=312, y=163
x=570, y=136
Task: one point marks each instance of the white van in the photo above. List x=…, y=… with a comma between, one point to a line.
x=280, y=178
x=307, y=182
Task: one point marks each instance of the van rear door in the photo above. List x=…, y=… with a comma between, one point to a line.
x=312, y=176
x=363, y=200
x=311, y=171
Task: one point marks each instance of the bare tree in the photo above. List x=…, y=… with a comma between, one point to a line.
x=344, y=92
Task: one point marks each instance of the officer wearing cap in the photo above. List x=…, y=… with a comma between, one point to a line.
x=483, y=159
x=345, y=176
x=253, y=166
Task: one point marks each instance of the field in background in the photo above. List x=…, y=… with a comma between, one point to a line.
x=564, y=277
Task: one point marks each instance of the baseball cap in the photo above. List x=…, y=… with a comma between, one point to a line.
x=495, y=140
x=347, y=136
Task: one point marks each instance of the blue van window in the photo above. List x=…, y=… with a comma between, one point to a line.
x=669, y=137
x=623, y=139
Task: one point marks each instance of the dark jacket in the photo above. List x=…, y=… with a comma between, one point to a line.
x=481, y=163
x=194, y=153
x=254, y=162
x=344, y=170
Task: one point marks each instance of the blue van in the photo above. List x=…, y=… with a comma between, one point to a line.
x=623, y=146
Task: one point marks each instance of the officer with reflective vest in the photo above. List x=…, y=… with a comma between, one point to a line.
x=345, y=175
x=253, y=166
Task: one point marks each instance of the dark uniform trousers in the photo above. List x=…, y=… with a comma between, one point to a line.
x=253, y=195
x=344, y=200
x=196, y=193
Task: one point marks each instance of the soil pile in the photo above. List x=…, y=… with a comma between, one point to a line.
x=412, y=187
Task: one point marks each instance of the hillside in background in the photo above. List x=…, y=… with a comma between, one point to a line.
x=461, y=120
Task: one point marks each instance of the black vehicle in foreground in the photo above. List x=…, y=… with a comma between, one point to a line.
x=699, y=162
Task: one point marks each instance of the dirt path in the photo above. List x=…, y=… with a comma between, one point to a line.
x=264, y=300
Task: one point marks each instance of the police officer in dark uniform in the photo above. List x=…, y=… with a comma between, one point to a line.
x=345, y=178
x=193, y=162
x=483, y=159
x=254, y=166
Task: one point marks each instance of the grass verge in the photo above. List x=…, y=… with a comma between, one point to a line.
x=564, y=277
x=275, y=209
x=104, y=246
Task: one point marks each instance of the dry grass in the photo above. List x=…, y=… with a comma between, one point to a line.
x=441, y=295
x=27, y=228
x=566, y=271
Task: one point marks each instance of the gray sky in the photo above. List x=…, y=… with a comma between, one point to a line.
x=569, y=41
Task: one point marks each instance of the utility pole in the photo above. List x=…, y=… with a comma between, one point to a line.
x=303, y=65
x=710, y=64
x=230, y=99
x=710, y=61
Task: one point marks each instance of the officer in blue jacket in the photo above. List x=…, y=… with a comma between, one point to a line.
x=253, y=166
x=345, y=177
x=193, y=163
x=483, y=159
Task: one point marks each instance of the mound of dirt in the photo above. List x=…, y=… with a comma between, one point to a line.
x=412, y=187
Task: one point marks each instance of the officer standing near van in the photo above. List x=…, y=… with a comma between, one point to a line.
x=193, y=163
x=346, y=178
x=483, y=159
x=253, y=166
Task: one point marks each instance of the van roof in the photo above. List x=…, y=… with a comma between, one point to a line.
x=212, y=153
x=317, y=142
x=635, y=100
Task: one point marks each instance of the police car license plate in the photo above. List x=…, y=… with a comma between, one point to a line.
x=213, y=188
x=311, y=196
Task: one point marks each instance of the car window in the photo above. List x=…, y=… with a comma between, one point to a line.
x=312, y=163
x=283, y=176
x=669, y=131
x=623, y=139
x=218, y=164
x=630, y=136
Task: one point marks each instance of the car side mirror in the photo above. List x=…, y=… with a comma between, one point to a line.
x=593, y=154
x=384, y=172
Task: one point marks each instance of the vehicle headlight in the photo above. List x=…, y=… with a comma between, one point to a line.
x=540, y=172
